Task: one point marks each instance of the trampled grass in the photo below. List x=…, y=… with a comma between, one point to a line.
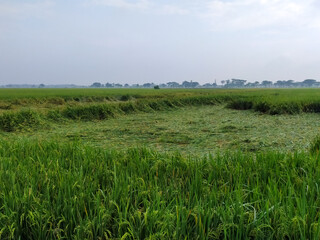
x=195, y=130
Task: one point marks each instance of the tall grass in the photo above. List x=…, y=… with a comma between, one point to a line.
x=73, y=191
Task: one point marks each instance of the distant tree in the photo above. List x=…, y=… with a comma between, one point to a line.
x=237, y=82
x=96, y=85
x=309, y=82
x=109, y=85
x=156, y=87
x=194, y=84
x=126, y=85
x=118, y=85
x=289, y=82
x=186, y=84
x=148, y=85
x=190, y=84
x=252, y=85
x=266, y=83
x=280, y=83
x=42, y=85
x=173, y=84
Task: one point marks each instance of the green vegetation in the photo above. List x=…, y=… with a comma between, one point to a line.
x=192, y=130
x=51, y=190
x=272, y=101
x=159, y=164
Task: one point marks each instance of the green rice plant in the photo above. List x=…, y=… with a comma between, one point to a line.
x=91, y=112
x=313, y=107
x=315, y=145
x=54, y=115
x=270, y=101
x=75, y=191
x=240, y=104
x=128, y=107
x=19, y=120
x=262, y=106
x=126, y=97
x=57, y=101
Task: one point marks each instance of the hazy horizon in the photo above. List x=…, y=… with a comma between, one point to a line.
x=127, y=41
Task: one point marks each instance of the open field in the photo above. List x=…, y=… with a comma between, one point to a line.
x=159, y=164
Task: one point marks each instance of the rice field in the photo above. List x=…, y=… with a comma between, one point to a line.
x=159, y=164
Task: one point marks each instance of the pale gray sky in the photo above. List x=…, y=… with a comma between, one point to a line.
x=138, y=41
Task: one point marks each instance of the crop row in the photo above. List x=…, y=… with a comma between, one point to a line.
x=271, y=106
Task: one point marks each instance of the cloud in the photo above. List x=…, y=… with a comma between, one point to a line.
x=140, y=4
x=253, y=14
x=173, y=10
x=232, y=14
x=143, y=5
x=11, y=9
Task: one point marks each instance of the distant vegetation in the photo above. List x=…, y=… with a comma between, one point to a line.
x=229, y=83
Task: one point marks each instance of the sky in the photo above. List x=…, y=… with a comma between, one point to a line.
x=140, y=41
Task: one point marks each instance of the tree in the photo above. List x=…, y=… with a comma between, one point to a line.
x=207, y=85
x=266, y=83
x=309, y=82
x=280, y=83
x=289, y=82
x=96, y=85
x=118, y=85
x=109, y=85
x=194, y=84
x=148, y=85
x=237, y=82
x=190, y=84
x=173, y=84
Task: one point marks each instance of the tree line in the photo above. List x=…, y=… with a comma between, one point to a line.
x=229, y=83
